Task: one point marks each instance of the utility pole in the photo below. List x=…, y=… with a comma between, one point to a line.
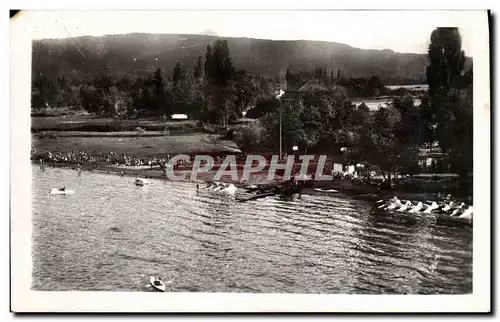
x=278, y=97
x=280, y=130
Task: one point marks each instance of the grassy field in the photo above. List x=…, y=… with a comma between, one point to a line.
x=90, y=123
x=142, y=147
x=84, y=134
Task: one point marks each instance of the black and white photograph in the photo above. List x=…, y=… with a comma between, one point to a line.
x=230, y=155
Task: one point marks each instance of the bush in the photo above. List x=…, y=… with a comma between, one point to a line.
x=262, y=107
x=248, y=138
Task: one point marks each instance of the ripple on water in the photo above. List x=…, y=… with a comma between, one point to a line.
x=112, y=235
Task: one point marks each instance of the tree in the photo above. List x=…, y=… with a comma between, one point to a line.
x=208, y=61
x=90, y=98
x=264, y=85
x=44, y=91
x=384, y=144
x=318, y=73
x=245, y=92
x=448, y=111
x=361, y=117
x=263, y=106
x=220, y=85
x=320, y=121
x=445, y=75
x=410, y=128
x=158, y=83
x=291, y=125
x=248, y=138
x=221, y=70
x=178, y=74
x=198, y=69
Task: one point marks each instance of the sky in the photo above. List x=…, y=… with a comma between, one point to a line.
x=401, y=31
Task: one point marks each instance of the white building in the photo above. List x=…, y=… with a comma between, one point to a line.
x=178, y=117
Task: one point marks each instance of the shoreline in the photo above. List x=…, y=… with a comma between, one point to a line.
x=361, y=193
x=341, y=187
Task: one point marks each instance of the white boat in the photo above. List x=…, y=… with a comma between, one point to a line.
x=222, y=187
x=394, y=205
x=405, y=207
x=467, y=214
x=448, y=206
x=431, y=207
x=157, y=284
x=417, y=208
x=57, y=191
x=458, y=210
x=231, y=189
x=141, y=182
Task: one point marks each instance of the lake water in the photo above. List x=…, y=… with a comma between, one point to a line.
x=376, y=104
x=421, y=87
x=112, y=235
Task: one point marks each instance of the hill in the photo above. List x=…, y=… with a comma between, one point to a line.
x=135, y=55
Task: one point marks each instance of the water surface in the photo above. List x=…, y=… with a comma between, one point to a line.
x=111, y=236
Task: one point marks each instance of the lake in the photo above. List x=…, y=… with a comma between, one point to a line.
x=421, y=87
x=112, y=235
x=374, y=104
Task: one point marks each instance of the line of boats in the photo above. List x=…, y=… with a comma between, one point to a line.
x=228, y=188
x=430, y=207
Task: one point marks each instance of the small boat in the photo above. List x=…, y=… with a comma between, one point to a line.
x=458, y=210
x=431, y=207
x=222, y=187
x=141, y=182
x=416, y=208
x=58, y=191
x=231, y=189
x=392, y=206
x=448, y=207
x=405, y=207
x=467, y=214
x=158, y=285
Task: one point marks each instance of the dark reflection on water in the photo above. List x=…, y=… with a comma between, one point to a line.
x=112, y=235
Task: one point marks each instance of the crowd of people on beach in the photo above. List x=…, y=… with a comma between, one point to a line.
x=112, y=158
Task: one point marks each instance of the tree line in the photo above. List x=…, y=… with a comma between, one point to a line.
x=212, y=90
